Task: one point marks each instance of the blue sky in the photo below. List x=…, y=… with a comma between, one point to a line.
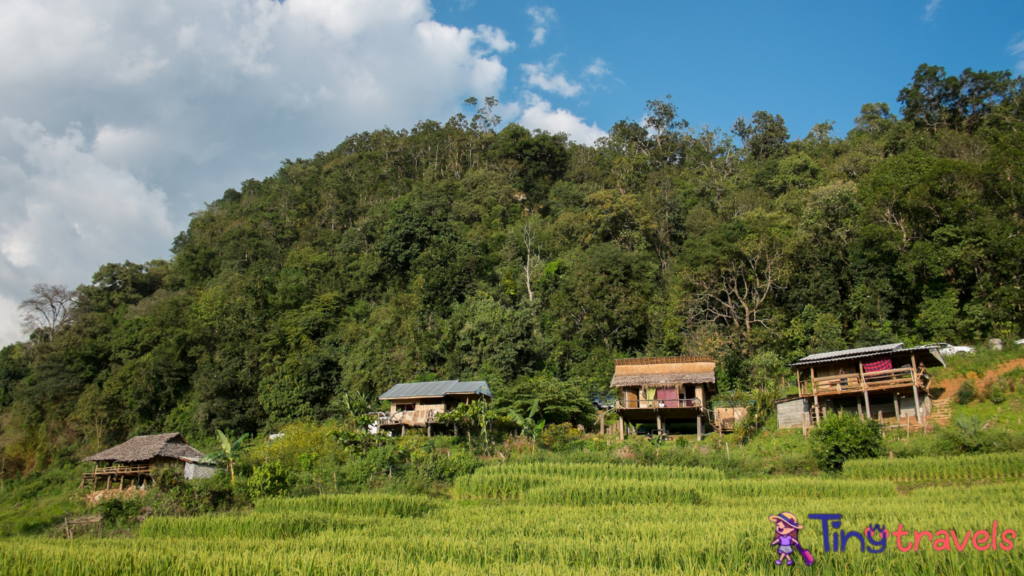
x=808, y=61
x=120, y=118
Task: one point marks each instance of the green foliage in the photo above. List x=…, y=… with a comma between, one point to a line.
x=268, y=480
x=555, y=401
x=120, y=512
x=455, y=250
x=841, y=437
x=966, y=392
x=559, y=436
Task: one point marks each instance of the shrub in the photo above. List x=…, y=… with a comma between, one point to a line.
x=997, y=393
x=120, y=512
x=966, y=393
x=268, y=480
x=841, y=437
x=444, y=465
x=559, y=436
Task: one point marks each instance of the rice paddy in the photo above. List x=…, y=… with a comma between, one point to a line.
x=561, y=519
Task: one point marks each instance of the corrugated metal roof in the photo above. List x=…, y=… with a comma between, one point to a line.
x=436, y=389
x=850, y=353
x=855, y=353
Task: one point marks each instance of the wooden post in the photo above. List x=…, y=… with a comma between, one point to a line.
x=727, y=454
x=917, y=405
x=896, y=404
x=657, y=416
x=700, y=428
x=602, y=422
x=879, y=416
x=813, y=391
x=817, y=410
x=913, y=363
x=864, y=383
x=121, y=485
x=108, y=483
x=622, y=428
x=860, y=411
x=429, y=431
x=403, y=429
x=67, y=529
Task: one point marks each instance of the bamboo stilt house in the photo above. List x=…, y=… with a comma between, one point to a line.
x=135, y=460
x=417, y=404
x=883, y=382
x=664, y=391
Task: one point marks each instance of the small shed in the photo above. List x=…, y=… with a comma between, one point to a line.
x=136, y=459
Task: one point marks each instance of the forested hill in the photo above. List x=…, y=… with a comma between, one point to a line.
x=471, y=249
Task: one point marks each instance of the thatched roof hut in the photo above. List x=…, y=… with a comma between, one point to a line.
x=666, y=372
x=153, y=449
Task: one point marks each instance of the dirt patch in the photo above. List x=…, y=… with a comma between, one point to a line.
x=951, y=385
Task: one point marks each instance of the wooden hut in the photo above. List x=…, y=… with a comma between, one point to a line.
x=888, y=380
x=136, y=459
x=664, y=391
x=417, y=404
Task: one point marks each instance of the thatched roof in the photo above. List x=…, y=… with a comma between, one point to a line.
x=666, y=372
x=144, y=448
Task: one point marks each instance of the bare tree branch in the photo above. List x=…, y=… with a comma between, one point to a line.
x=48, y=310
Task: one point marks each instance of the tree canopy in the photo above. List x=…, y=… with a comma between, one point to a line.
x=463, y=250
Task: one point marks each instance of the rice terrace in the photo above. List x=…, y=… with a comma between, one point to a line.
x=448, y=287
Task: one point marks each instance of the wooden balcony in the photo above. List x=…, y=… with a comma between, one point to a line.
x=654, y=410
x=140, y=470
x=858, y=383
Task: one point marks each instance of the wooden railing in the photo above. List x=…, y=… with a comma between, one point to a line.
x=660, y=403
x=121, y=471
x=409, y=417
x=855, y=382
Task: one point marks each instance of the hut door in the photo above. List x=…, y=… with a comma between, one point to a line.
x=668, y=396
x=628, y=398
x=689, y=394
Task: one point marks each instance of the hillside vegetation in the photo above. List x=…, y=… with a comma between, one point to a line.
x=468, y=249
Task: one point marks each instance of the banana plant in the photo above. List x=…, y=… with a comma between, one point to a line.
x=228, y=451
x=531, y=428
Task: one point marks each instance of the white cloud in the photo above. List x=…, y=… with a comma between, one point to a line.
x=495, y=38
x=542, y=76
x=123, y=117
x=1018, y=50
x=542, y=16
x=929, y=10
x=535, y=113
x=597, y=69
x=62, y=211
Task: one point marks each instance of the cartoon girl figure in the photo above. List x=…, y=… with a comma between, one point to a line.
x=786, y=530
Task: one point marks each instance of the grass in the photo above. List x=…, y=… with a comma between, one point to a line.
x=573, y=519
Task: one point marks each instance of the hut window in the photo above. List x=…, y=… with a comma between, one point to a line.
x=404, y=407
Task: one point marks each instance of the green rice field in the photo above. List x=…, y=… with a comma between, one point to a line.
x=583, y=519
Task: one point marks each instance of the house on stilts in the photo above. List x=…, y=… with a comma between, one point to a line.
x=666, y=392
x=887, y=383
x=418, y=404
x=135, y=460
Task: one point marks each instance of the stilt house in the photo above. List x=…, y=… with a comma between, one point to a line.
x=417, y=404
x=135, y=460
x=887, y=381
x=664, y=391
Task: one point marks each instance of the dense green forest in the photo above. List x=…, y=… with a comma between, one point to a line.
x=472, y=250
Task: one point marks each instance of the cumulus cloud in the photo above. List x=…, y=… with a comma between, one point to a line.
x=62, y=210
x=597, y=69
x=536, y=113
x=542, y=76
x=542, y=16
x=929, y=10
x=122, y=117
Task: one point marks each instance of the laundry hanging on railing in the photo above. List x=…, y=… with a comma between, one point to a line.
x=878, y=365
